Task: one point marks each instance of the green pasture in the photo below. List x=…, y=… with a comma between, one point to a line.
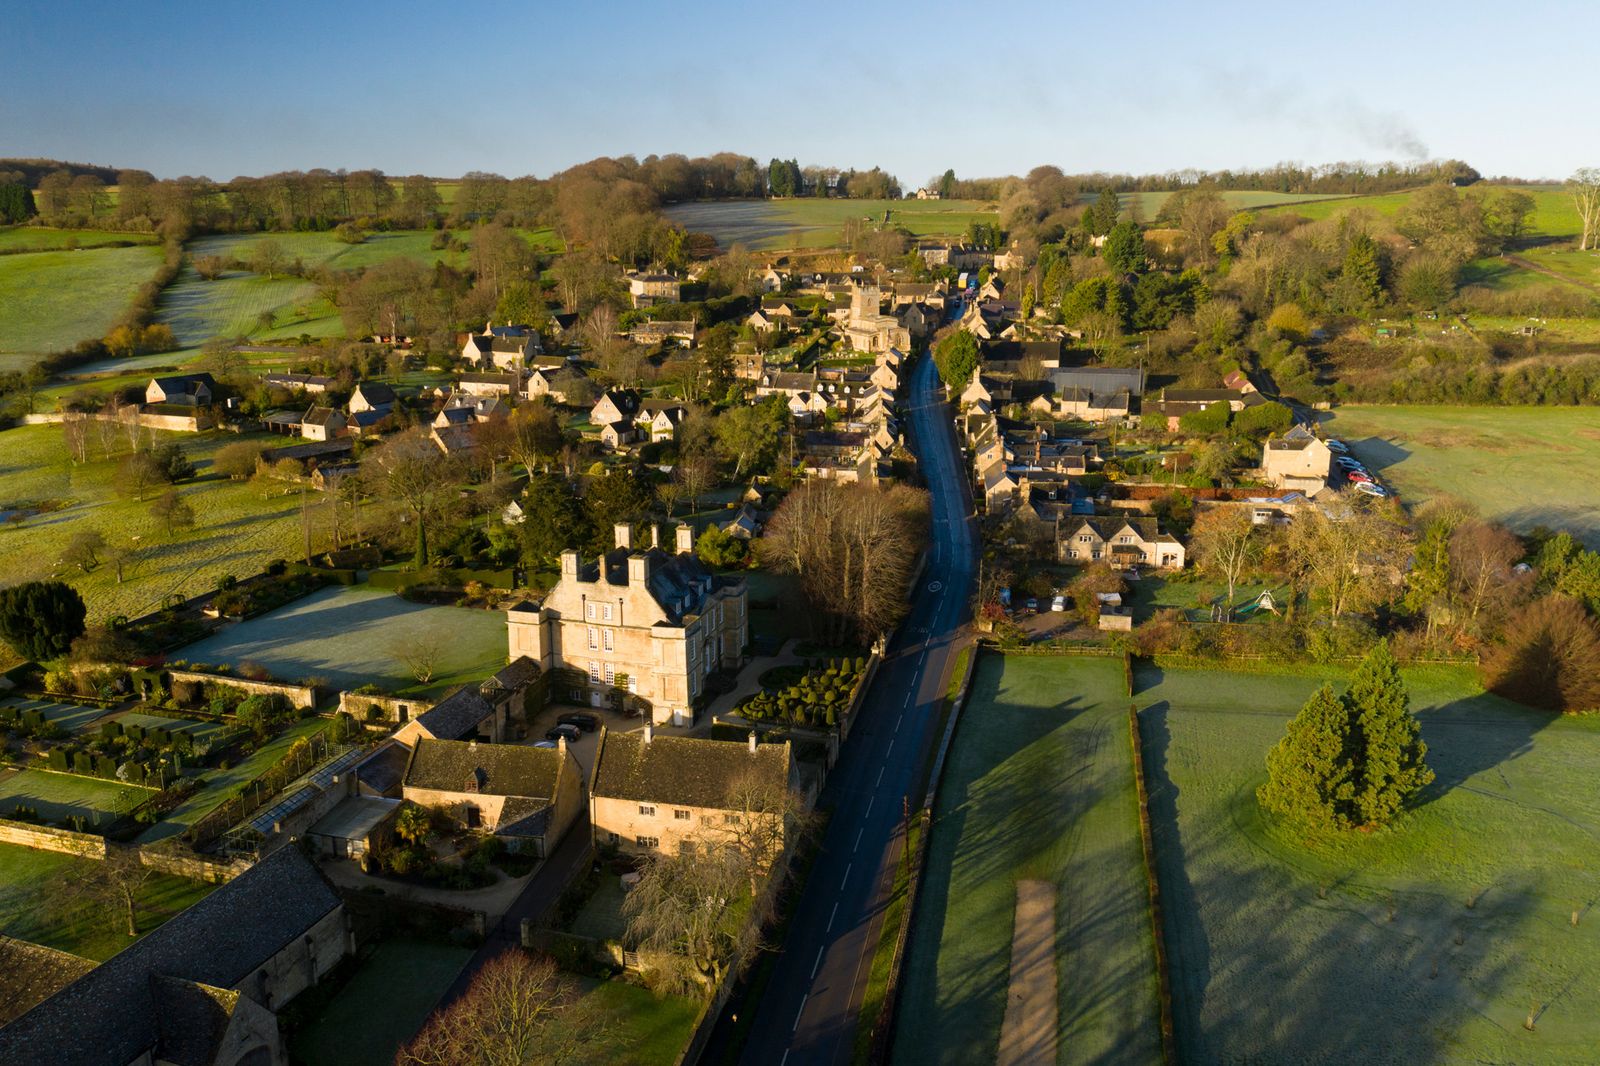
x=384, y=1003
x=33, y=905
x=1524, y=466
x=240, y=525
x=1434, y=940
x=53, y=300
x=59, y=797
x=1150, y=203
x=16, y=239
x=805, y=222
x=348, y=635
x=1039, y=784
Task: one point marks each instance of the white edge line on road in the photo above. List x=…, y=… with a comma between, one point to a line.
x=846, y=874
x=880, y=769
x=891, y=748
x=897, y=722
x=831, y=917
x=907, y=703
x=799, y=1012
x=859, y=832
x=816, y=964
x=869, y=806
x=785, y=1058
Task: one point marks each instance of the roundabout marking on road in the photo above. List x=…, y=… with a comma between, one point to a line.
x=935, y=586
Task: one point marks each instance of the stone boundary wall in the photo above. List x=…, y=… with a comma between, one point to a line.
x=355, y=704
x=297, y=695
x=45, y=838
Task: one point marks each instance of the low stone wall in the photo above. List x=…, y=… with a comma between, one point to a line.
x=195, y=867
x=394, y=708
x=297, y=695
x=44, y=838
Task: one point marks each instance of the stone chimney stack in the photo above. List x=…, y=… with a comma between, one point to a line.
x=569, y=564
x=624, y=535
x=649, y=732
x=685, y=538
x=752, y=742
x=655, y=534
x=561, y=746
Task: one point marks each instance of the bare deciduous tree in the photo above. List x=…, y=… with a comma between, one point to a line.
x=421, y=652
x=519, y=1010
x=1348, y=556
x=1481, y=557
x=1224, y=543
x=682, y=917
x=413, y=473
x=1585, y=188
x=853, y=547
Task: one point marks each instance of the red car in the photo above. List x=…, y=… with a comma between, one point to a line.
x=1359, y=476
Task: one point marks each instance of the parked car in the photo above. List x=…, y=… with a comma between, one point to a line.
x=1372, y=490
x=1058, y=604
x=546, y=744
x=582, y=719
x=1031, y=604
x=1360, y=475
x=1337, y=445
x=1346, y=462
x=566, y=732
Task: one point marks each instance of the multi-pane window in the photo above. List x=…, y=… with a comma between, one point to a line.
x=608, y=640
x=594, y=672
x=611, y=674
x=605, y=612
x=590, y=611
x=594, y=638
x=647, y=809
x=681, y=815
x=648, y=842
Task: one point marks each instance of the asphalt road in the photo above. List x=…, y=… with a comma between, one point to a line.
x=808, y=1012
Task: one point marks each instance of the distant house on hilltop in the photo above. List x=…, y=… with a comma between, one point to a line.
x=192, y=390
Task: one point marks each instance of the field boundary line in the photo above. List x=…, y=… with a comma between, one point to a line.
x=1169, y=1051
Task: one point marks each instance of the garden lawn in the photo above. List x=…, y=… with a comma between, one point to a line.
x=240, y=525
x=1524, y=466
x=348, y=637
x=1431, y=941
x=382, y=1006
x=73, y=717
x=641, y=1029
x=195, y=729
x=1039, y=785
x=53, y=300
x=222, y=784
x=33, y=907
x=58, y=797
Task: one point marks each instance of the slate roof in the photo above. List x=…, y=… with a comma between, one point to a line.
x=385, y=768
x=1098, y=379
x=193, y=1018
x=315, y=449
x=687, y=771
x=32, y=973
x=376, y=393
x=519, y=672
x=185, y=383
x=112, y=1013
x=457, y=715
x=1147, y=529
x=488, y=769
x=678, y=583
x=322, y=416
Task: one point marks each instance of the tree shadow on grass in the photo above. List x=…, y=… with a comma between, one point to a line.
x=1013, y=770
x=1467, y=737
x=1268, y=965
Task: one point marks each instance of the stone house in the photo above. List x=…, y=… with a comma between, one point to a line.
x=502, y=347
x=372, y=396
x=189, y=390
x=636, y=620
x=1299, y=461
x=322, y=423
x=552, y=381
x=659, y=419
x=1121, y=541
x=658, y=795
x=490, y=384
x=647, y=290
x=464, y=714
x=312, y=383
x=615, y=405
x=663, y=332
x=527, y=796
x=202, y=989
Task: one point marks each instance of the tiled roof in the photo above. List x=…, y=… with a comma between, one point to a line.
x=112, y=1013
x=489, y=769
x=519, y=672
x=376, y=392
x=687, y=771
x=385, y=768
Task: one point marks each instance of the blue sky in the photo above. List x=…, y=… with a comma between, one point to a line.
x=225, y=88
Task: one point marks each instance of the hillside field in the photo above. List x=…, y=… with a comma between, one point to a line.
x=1524, y=466
x=1435, y=940
x=804, y=222
x=52, y=300
x=240, y=525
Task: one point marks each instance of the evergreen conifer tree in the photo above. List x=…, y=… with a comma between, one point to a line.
x=1353, y=760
